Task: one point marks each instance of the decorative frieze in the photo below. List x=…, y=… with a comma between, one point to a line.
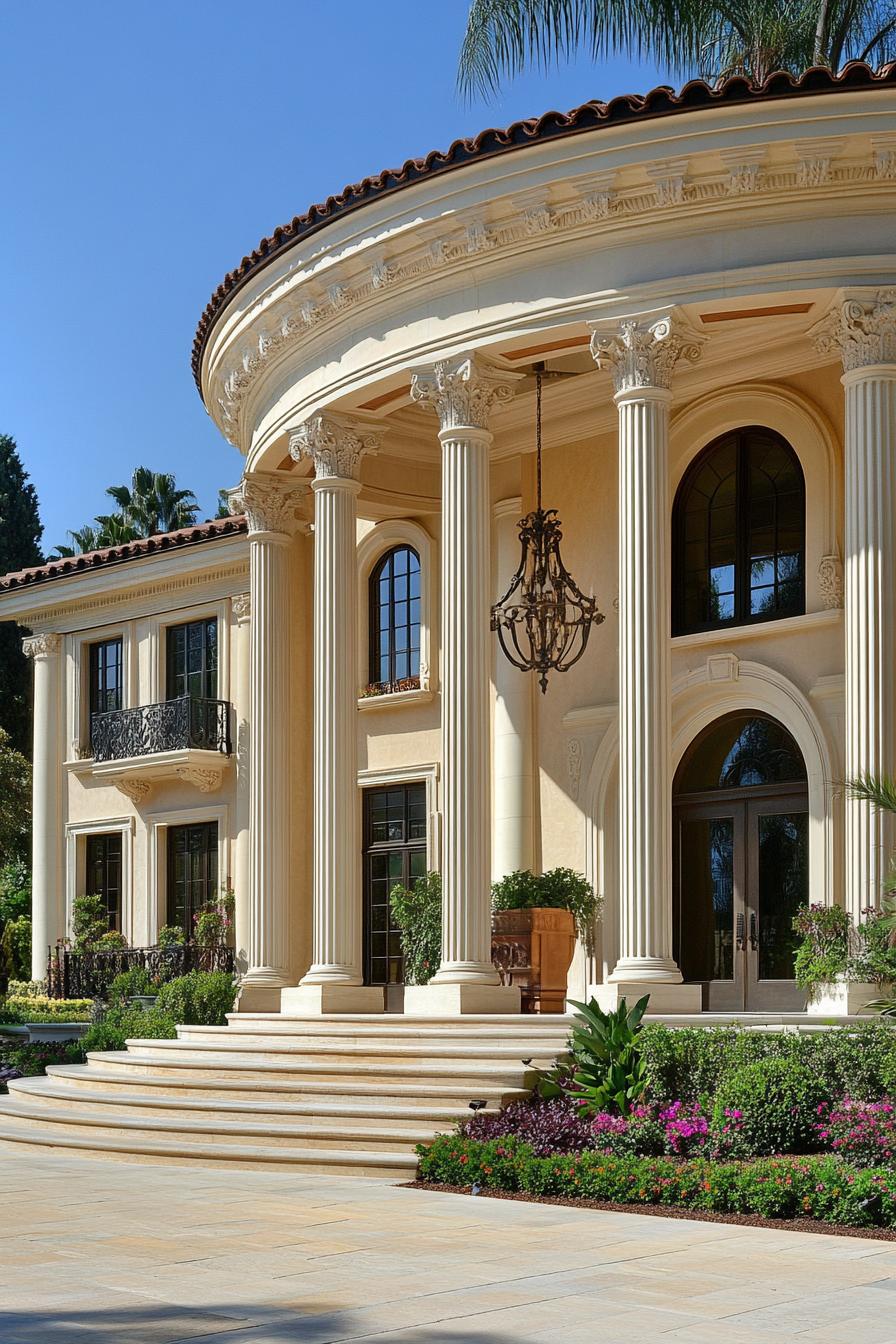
x=464, y=391
x=335, y=444
x=830, y=581
x=860, y=326
x=642, y=355
x=44, y=645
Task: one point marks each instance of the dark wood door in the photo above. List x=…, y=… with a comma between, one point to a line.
x=394, y=855
x=192, y=872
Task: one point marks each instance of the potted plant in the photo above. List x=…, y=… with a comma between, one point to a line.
x=535, y=921
x=841, y=968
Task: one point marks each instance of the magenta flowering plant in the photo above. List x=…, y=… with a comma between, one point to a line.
x=863, y=1132
x=685, y=1128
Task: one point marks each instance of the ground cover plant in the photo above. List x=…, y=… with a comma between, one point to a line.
x=779, y=1124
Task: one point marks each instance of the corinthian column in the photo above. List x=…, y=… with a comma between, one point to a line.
x=861, y=327
x=335, y=981
x=642, y=358
x=47, y=918
x=269, y=503
x=463, y=392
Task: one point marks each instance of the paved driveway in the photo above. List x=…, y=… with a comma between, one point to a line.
x=135, y=1254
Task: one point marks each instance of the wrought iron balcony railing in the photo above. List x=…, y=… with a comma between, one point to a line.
x=173, y=725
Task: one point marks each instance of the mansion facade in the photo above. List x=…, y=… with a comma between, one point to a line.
x=304, y=703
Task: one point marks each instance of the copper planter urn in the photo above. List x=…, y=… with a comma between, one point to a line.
x=533, y=950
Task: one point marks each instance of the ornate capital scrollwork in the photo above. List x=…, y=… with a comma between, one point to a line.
x=241, y=605
x=860, y=326
x=463, y=392
x=45, y=645
x=335, y=444
x=641, y=354
x=268, y=502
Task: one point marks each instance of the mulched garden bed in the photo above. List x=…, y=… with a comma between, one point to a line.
x=667, y=1211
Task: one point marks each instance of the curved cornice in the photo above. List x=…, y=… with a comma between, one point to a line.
x=590, y=116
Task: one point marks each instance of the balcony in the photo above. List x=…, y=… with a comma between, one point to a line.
x=185, y=739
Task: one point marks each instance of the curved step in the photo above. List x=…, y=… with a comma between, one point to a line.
x=212, y=1039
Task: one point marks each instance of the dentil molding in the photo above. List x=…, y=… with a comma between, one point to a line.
x=860, y=326
x=644, y=355
x=463, y=392
x=335, y=444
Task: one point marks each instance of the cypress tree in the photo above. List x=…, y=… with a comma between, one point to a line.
x=20, y=537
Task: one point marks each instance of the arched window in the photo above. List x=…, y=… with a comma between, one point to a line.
x=739, y=534
x=394, y=607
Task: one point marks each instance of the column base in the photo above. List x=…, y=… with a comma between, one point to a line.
x=315, y=1000
x=664, y=998
x=434, y=1000
x=258, y=998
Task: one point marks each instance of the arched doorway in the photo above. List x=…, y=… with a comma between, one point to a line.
x=741, y=862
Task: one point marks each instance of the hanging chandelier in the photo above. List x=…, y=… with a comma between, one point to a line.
x=543, y=620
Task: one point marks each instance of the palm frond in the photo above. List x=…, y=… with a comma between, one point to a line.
x=877, y=790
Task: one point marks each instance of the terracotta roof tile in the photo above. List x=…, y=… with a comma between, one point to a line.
x=131, y=550
x=661, y=101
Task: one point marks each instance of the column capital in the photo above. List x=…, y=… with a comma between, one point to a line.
x=463, y=391
x=335, y=444
x=641, y=354
x=241, y=606
x=860, y=326
x=269, y=503
x=42, y=645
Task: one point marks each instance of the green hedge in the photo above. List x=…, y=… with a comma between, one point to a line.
x=690, y=1063
x=820, y=1187
x=15, y=1010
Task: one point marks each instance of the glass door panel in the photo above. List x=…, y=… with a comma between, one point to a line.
x=709, y=914
x=778, y=885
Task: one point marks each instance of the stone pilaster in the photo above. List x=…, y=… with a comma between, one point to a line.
x=269, y=503
x=463, y=392
x=860, y=327
x=48, y=905
x=513, y=821
x=335, y=981
x=642, y=358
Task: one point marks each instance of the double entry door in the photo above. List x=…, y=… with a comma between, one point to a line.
x=741, y=865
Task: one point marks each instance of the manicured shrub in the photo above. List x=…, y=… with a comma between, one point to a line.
x=31, y=1058
x=111, y=941
x=775, y=1104
x=131, y=983
x=820, y=1187
x=27, y=989
x=90, y=921
x=125, y=1022
x=553, y=1126
x=171, y=935
x=201, y=998
x=34, y=1009
x=864, y=1132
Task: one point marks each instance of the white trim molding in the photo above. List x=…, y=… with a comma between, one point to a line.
x=372, y=547
x=415, y=774
x=76, y=833
x=158, y=825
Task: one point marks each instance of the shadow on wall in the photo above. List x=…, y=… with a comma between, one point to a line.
x=156, y=1323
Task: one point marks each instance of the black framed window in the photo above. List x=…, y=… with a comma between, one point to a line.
x=394, y=607
x=192, y=872
x=739, y=534
x=105, y=674
x=192, y=660
x=394, y=855
x=103, y=873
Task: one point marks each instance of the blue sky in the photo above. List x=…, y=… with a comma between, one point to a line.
x=146, y=147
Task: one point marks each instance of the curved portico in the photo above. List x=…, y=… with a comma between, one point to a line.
x=722, y=249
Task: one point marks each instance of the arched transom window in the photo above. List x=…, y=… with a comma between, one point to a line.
x=739, y=529
x=394, y=600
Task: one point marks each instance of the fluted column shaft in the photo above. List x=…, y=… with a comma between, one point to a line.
x=47, y=906
x=513, y=824
x=269, y=504
x=242, y=607
x=860, y=326
x=642, y=358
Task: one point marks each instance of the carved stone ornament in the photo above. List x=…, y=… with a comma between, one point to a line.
x=574, y=765
x=335, y=444
x=241, y=605
x=138, y=790
x=45, y=645
x=644, y=355
x=206, y=781
x=830, y=581
x=860, y=326
x=463, y=392
x=268, y=502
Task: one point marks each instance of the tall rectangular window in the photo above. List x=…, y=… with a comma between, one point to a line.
x=192, y=872
x=103, y=873
x=105, y=676
x=192, y=661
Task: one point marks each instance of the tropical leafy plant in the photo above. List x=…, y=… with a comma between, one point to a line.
x=89, y=922
x=688, y=37
x=608, y=1069
x=418, y=913
x=823, y=953
x=557, y=889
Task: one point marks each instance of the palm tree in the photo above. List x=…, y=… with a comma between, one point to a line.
x=152, y=502
x=110, y=530
x=749, y=37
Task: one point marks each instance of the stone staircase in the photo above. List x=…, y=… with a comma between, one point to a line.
x=343, y=1094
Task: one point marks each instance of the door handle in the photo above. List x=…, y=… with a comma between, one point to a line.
x=741, y=933
x=754, y=937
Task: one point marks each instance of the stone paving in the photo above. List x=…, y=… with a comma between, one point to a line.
x=135, y=1254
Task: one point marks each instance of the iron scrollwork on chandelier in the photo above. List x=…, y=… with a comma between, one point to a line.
x=544, y=619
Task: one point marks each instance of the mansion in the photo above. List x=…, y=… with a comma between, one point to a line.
x=305, y=702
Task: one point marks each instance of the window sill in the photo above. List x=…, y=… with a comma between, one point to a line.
x=788, y=625
x=394, y=699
